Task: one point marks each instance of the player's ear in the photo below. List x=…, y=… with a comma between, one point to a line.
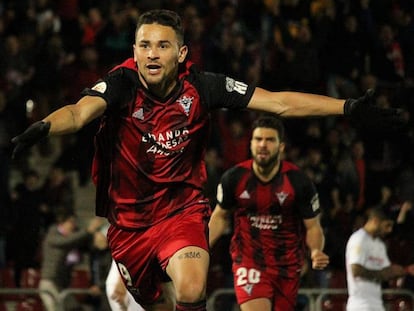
x=282, y=147
x=134, y=53
x=182, y=54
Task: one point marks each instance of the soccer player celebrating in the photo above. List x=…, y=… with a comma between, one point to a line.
x=149, y=163
x=276, y=215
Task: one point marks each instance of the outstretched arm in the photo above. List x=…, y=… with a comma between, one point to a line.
x=72, y=118
x=67, y=119
x=362, y=111
x=295, y=104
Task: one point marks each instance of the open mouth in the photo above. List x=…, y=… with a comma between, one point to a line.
x=153, y=68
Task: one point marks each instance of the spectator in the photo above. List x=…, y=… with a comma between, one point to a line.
x=100, y=262
x=301, y=69
x=85, y=71
x=349, y=46
x=61, y=252
x=16, y=66
x=115, y=37
x=26, y=235
x=57, y=193
x=91, y=25
x=197, y=38
x=401, y=244
x=387, y=57
x=358, y=157
x=7, y=128
x=5, y=135
x=234, y=135
x=316, y=169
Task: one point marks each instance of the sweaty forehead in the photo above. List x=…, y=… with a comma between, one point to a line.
x=155, y=33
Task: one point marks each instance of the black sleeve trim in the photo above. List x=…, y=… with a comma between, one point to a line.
x=307, y=197
x=221, y=91
x=228, y=185
x=116, y=88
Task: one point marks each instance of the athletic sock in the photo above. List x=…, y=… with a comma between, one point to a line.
x=192, y=306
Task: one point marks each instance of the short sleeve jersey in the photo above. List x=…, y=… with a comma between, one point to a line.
x=149, y=159
x=370, y=253
x=269, y=233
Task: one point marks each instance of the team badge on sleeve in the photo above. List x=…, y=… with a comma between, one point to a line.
x=315, y=202
x=100, y=87
x=233, y=85
x=219, y=193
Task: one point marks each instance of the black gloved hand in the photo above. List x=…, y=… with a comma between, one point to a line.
x=33, y=134
x=365, y=115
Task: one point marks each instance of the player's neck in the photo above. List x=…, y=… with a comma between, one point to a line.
x=370, y=230
x=266, y=173
x=162, y=89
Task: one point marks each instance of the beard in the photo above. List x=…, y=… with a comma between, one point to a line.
x=268, y=163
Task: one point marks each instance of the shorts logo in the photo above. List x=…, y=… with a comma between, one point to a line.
x=100, y=87
x=233, y=85
x=186, y=103
x=248, y=288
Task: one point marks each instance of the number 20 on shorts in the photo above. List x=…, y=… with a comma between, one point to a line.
x=247, y=276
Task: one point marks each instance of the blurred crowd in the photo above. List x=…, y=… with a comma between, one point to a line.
x=51, y=50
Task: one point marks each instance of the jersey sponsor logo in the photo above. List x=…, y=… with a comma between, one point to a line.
x=244, y=195
x=233, y=85
x=315, y=202
x=186, y=103
x=100, y=87
x=139, y=114
x=376, y=261
x=281, y=196
x=265, y=222
x=166, y=143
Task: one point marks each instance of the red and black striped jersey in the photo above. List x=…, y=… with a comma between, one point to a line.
x=149, y=159
x=268, y=217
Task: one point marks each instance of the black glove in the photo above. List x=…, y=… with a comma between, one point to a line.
x=367, y=116
x=33, y=134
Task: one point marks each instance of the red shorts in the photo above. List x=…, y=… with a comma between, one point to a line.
x=142, y=256
x=251, y=283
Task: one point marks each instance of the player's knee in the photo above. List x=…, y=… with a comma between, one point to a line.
x=190, y=292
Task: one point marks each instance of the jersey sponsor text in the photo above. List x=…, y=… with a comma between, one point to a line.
x=265, y=222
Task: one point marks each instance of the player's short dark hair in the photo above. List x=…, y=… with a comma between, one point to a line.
x=165, y=18
x=272, y=122
x=379, y=213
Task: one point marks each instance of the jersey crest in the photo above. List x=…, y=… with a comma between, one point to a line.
x=186, y=102
x=281, y=196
